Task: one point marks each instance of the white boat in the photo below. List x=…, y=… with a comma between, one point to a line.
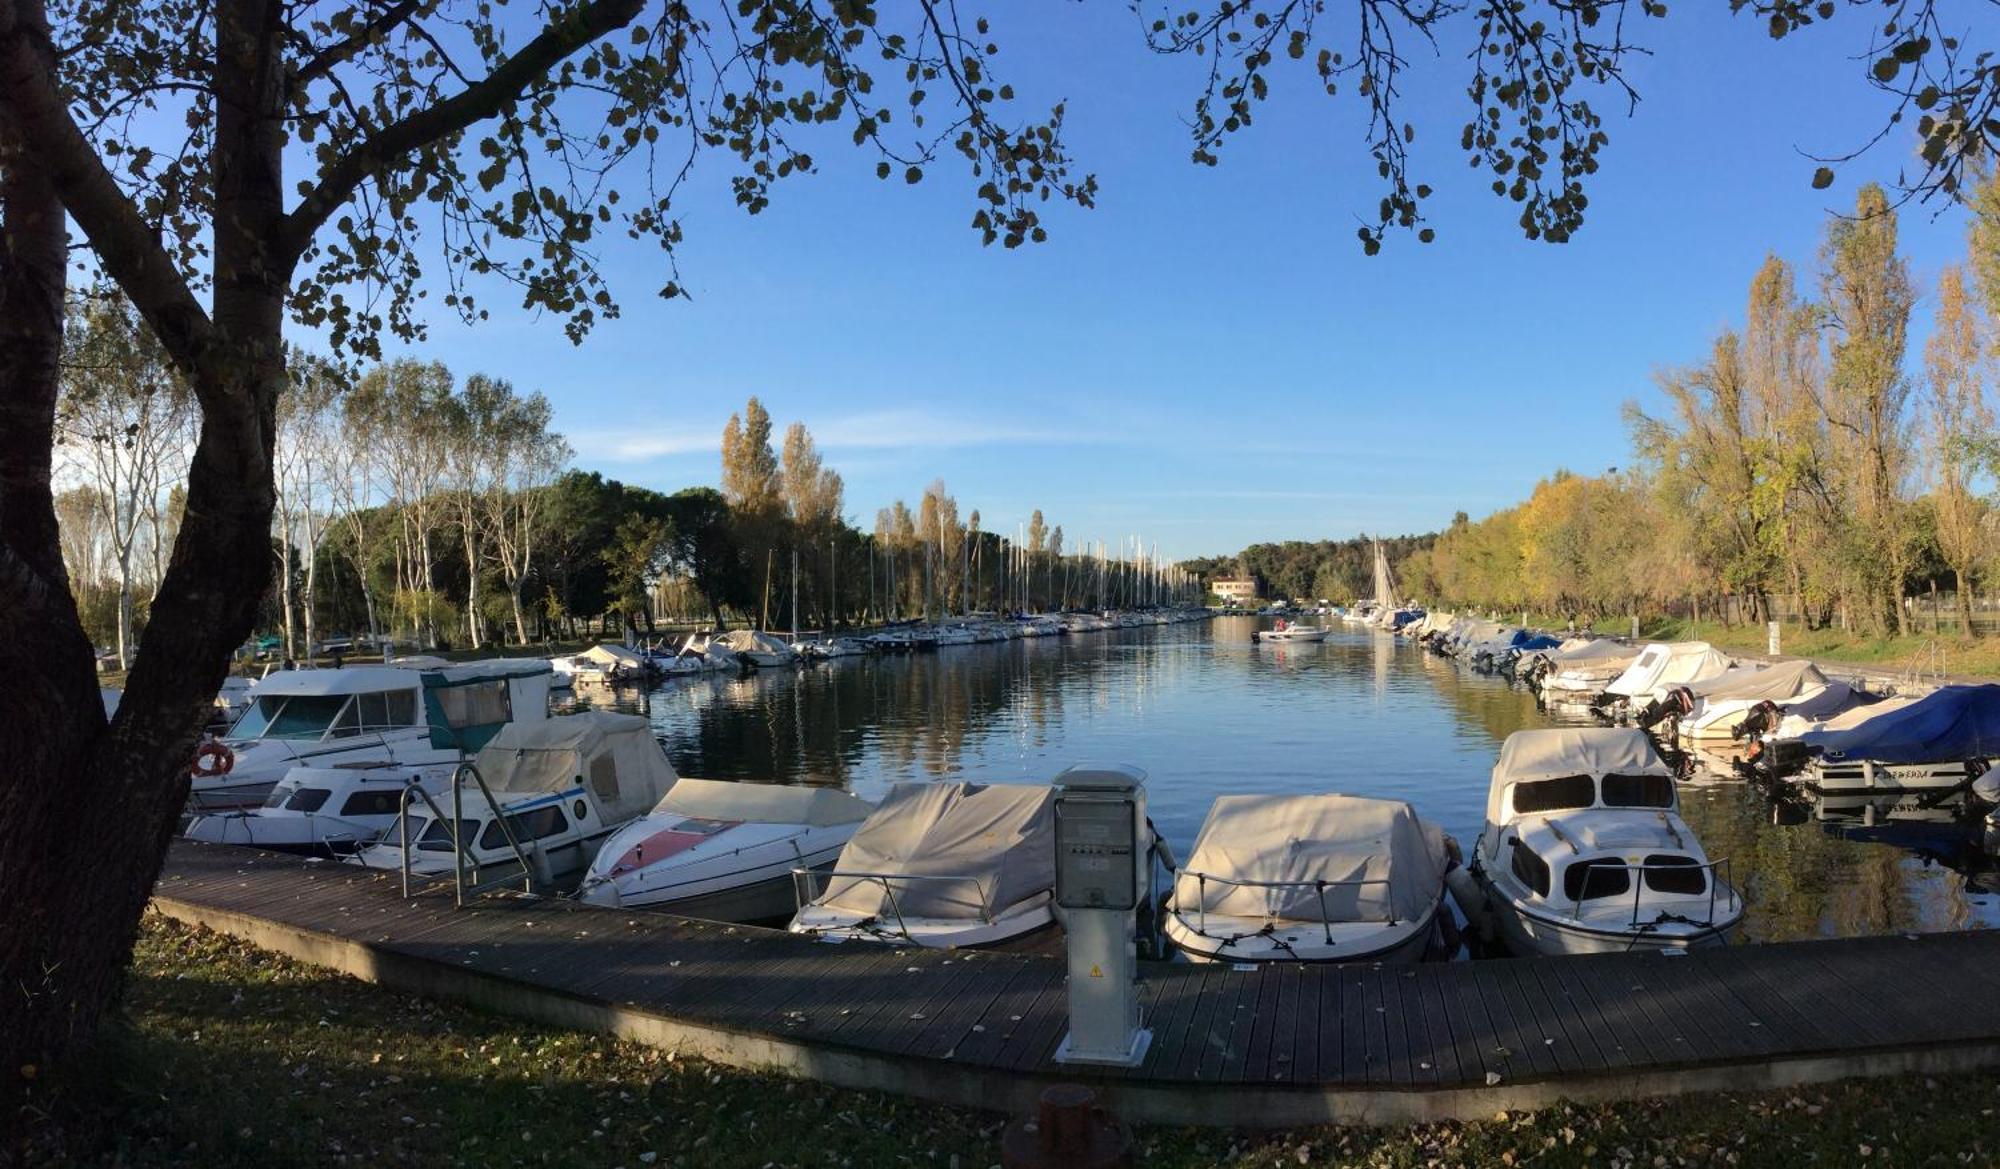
x=1310, y=878
x=232, y=700
x=321, y=811
x=1715, y=709
x=941, y=865
x=563, y=786
x=834, y=647
x=1661, y=666
x=724, y=850
x=1584, y=849
x=422, y=716
x=612, y=664
x=755, y=649
x=1284, y=632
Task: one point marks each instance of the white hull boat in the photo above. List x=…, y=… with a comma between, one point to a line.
x=1584, y=850
x=940, y=865
x=1316, y=878
x=1291, y=633
x=724, y=851
x=322, y=811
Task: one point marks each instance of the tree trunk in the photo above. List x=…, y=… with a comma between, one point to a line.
x=1964, y=595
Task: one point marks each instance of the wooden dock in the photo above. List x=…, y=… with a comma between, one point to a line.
x=1282, y=1045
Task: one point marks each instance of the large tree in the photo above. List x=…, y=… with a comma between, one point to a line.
x=233, y=164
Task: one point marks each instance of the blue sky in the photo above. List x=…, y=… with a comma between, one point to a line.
x=1207, y=359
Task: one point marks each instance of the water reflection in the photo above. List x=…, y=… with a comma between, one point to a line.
x=1207, y=712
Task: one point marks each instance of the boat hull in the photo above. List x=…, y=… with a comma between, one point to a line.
x=1528, y=933
x=1305, y=942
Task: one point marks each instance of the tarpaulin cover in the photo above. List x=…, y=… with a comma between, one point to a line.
x=1779, y=683
x=1000, y=837
x=1662, y=666
x=1593, y=751
x=614, y=754
x=1529, y=643
x=1332, y=838
x=1949, y=724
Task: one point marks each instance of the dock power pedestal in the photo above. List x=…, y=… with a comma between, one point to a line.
x=1101, y=869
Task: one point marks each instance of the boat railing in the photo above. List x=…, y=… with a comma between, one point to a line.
x=459, y=846
x=1718, y=874
x=1318, y=887
x=804, y=892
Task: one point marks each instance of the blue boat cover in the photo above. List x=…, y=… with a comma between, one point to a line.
x=1527, y=643
x=1953, y=723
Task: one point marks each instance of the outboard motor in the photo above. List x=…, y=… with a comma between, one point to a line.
x=1762, y=717
x=1675, y=703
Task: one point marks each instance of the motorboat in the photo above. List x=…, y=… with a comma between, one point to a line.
x=940, y=865
x=1584, y=850
x=755, y=649
x=322, y=811
x=1310, y=878
x=421, y=715
x=231, y=701
x=607, y=664
x=1285, y=632
x=1660, y=667
x=1579, y=676
x=1945, y=740
x=724, y=850
x=829, y=648
x=1715, y=710
x=541, y=796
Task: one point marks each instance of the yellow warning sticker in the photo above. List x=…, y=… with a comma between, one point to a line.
x=1096, y=972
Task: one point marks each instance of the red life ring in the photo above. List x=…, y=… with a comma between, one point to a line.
x=211, y=759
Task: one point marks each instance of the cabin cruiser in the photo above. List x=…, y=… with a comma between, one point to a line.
x=1285, y=631
x=559, y=788
x=754, y=649
x=1945, y=740
x=940, y=865
x=1311, y=878
x=724, y=850
x=322, y=811
x=423, y=716
x=231, y=702
x=1584, y=849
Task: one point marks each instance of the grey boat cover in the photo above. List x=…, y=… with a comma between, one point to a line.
x=615, y=755
x=747, y=641
x=1778, y=683
x=1332, y=838
x=1002, y=835
x=764, y=803
x=1563, y=751
x=1664, y=665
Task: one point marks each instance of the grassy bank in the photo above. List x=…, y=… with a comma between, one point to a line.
x=1946, y=653
x=226, y=1056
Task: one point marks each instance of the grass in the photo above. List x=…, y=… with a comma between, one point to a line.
x=228, y=1056
x=1947, y=653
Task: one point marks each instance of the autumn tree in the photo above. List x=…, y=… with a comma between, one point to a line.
x=1958, y=416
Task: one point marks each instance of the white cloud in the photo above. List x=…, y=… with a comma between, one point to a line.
x=870, y=430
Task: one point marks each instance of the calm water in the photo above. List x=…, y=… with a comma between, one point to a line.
x=1206, y=712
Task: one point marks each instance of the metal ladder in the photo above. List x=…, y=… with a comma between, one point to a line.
x=461, y=857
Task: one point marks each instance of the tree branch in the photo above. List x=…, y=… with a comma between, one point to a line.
x=505, y=84
x=124, y=244
x=342, y=51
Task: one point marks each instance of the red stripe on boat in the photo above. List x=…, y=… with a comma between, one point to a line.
x=666, y=844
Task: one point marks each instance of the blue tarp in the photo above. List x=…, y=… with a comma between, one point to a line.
x=1956, y=722
x=1529, y=643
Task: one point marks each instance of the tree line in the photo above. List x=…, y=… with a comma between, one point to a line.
x=1815, y=463
x=1332, y=570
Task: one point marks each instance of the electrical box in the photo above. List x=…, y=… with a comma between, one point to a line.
x=1103, y=859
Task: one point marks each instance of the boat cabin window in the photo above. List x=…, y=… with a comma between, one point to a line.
x=535, y=825
x=604, y=778
x=1532, y=870
x=436, y=836
x=1638, y=791
x=477, y=704
x=307, y=799
x=1549, y=795
x=290, y=716
x=1670, y=873
x=373, y=804
x=1598, y=877
x=391, y=708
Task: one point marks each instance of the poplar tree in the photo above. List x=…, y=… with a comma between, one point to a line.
x=1959, y=416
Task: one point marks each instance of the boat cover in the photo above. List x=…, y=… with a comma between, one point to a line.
x=1530, y=642
x=746, y=641
x=1596, y=651
x=1331, y=838
x=1661, y=666
x=1949, y=724
x=1002, y=835
x=615, y=754
x=1797, y=724
x=763, y=803
x=1561, y=751
x=1779, y=683
x=612, y=657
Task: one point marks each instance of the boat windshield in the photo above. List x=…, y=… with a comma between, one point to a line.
x=1638, y=791
x=311, y=717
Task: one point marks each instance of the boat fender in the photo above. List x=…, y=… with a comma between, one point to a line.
x=1466, y=891
x=211, y=759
